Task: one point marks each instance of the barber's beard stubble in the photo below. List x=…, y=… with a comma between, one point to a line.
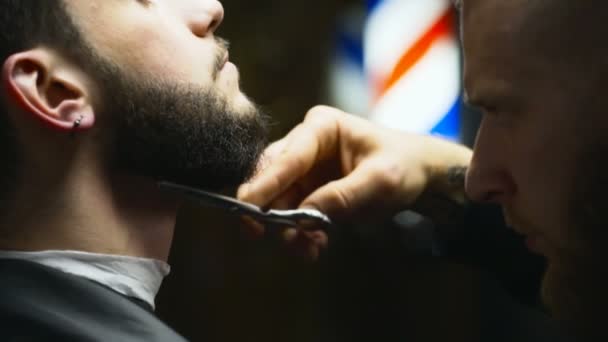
x=575, y=288
x=182, y=133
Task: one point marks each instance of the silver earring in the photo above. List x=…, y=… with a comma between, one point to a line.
x=78, y=122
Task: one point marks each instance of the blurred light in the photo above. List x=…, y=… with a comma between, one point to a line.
x=412, y=61
x=349, y=88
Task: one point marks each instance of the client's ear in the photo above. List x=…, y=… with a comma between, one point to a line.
x=41, y=84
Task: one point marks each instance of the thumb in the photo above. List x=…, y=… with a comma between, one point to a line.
x=351, y=197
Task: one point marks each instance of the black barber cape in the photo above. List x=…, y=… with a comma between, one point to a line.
x=38, y=303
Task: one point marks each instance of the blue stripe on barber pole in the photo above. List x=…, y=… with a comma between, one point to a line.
x=347, y=82
x=449, y=126
x=351, y=47
x=371, y=4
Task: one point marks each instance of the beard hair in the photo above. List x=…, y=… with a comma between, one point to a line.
x=575, y=287
x=178, y=132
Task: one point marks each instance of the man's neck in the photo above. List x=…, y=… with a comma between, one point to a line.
x=86, y=212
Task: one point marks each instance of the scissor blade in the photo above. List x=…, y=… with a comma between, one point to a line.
x=211, y=199
x=298, y=215
x=285, y=218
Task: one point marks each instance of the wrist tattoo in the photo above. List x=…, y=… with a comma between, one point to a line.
x=456, y=176
x=447, y=205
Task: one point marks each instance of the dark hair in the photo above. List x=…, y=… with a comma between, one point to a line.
x=26, y=24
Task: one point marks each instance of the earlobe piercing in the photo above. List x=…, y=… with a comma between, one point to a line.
x=78, y=122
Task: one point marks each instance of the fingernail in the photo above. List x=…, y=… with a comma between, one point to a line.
x=243, y=191
x=253, y=229
x=309, y=225
x=309, y=207
x=290, y=234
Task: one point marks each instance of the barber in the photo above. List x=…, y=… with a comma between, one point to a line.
x=537, y=72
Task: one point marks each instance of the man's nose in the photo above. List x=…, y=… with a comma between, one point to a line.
x=489, y=178
x=204, y=17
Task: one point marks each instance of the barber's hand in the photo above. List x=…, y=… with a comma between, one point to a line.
x=348, y=168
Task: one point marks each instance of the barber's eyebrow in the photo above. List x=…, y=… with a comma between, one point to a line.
x=493, y=99
x=465, y=97
x=478, y=100
x=476, y=103
x=471, y=101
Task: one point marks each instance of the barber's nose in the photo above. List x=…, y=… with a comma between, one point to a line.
x=489, y=178
x=205, y=17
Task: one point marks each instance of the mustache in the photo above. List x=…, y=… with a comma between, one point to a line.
x=223, y=46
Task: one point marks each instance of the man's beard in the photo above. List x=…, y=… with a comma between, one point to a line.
x=575, y=287
x=179, y=132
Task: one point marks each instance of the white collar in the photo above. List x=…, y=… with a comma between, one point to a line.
x=134, y=277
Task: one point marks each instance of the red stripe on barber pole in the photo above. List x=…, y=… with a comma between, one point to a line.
x=441, y=28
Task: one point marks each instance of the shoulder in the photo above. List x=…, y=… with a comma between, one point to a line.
x=26, y=311
x=39, y=303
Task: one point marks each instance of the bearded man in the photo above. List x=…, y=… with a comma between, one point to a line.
x=100, y=101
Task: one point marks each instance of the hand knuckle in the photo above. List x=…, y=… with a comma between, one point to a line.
x=387, y=176
x=298, y=164
x=322, y=113
x=342, y=197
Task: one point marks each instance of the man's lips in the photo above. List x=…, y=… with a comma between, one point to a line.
x=534, y=241
x=536, y=244
x=533, y=244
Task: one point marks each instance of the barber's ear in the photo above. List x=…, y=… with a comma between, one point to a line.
x=41, y=84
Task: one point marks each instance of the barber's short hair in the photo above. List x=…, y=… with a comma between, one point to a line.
x=26, y=24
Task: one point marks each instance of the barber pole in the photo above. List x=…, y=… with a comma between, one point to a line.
x=412, y=60
x=347, y=81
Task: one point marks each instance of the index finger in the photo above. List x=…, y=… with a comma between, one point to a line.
x=307, y=144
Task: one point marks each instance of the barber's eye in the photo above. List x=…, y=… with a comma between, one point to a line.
x=490, y=110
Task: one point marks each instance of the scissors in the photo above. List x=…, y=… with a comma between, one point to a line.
x=282, y=218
